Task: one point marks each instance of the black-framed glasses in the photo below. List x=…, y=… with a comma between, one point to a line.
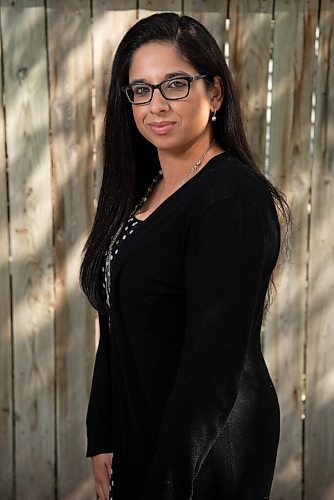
x=173, y=89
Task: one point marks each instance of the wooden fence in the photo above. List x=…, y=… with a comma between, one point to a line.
x=55, y=62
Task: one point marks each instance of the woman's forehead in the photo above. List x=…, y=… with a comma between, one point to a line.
x=157, y=60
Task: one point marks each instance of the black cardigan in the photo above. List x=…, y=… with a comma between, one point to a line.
x=181, y=394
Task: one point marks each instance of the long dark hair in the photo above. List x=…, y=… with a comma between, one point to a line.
x=125, y=178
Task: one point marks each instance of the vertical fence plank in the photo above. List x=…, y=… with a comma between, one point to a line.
x=148, y=7
x=212, y=13
x=110, y=22
x=70, y=63
x=29, y=172
x=6, y=387
x=319, y=449
x=250, y=41
x=293, y=60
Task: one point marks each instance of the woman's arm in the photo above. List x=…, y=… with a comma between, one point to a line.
x=223, y=268
x=98, y=421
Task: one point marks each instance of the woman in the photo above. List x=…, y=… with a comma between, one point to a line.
x=178, y=264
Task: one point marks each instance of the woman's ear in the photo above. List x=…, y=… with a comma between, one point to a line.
x=217, y=93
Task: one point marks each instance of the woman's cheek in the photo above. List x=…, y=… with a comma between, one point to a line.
x=139, y=122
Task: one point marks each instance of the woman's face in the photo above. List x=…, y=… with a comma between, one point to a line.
x=169, y=125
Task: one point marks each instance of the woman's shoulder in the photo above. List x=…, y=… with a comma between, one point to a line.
x=230, y=190
x=226, y=176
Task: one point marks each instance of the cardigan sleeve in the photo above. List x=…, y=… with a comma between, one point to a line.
x=98, y=420
x=223, y=273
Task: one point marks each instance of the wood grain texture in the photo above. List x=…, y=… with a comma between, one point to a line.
x=29, y=173
x=70, y=65
x=148, y=7
x=6, y=386
x=293, y=60
x=211, y=13
x=319, y=445
x=50, y=215
x=250, y=41
x=111, y=20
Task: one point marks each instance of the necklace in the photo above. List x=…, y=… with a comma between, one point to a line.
x=139, y=207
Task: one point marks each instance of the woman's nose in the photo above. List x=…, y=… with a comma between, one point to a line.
x=158, y=102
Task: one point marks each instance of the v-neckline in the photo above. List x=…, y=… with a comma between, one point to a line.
x=178, y=190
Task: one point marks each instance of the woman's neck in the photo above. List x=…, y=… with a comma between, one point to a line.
x=176, y=165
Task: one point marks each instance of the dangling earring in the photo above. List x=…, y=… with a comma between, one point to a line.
x=213, y=117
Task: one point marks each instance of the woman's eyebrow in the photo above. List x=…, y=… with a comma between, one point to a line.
x=167, y=76
x=138, y=80
x=177, y=73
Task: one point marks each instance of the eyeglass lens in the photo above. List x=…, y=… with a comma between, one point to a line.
x=140, y=93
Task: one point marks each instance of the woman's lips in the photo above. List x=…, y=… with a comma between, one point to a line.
x=161, y=127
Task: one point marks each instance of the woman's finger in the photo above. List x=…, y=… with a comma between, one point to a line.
x=99, y=491
x=102, y=488
x=105, y=489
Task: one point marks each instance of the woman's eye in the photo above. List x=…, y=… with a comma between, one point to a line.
x=141, y=90
x=177, y=84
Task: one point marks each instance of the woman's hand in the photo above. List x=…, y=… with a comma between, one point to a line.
x=101, y=465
